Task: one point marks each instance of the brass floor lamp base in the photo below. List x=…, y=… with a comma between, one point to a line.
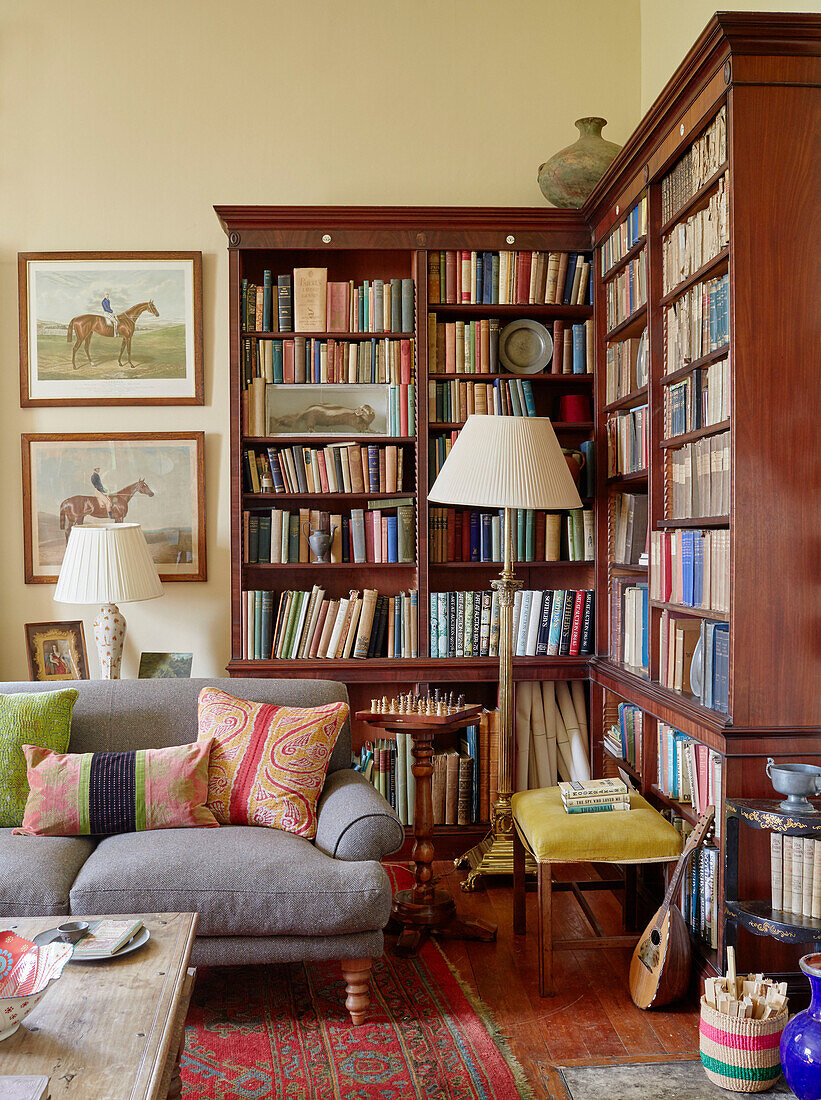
x=491, y=856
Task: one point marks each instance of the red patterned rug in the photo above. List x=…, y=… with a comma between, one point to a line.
x=255, y=1033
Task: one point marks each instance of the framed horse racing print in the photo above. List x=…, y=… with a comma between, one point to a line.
x=110, y=328
x=155, y=479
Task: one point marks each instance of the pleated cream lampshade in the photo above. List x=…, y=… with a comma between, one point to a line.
x=506, y=462
x=107, y=564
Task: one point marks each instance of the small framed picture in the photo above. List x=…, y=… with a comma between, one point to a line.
x=349, y=410
x=156, y=479
x=56, y=651
x=165, y=666
x=110, y=328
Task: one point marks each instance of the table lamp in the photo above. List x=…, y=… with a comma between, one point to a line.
x=504, y=462
x=108, y=564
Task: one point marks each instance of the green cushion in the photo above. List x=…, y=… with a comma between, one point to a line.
x=637, y=835
x=42, y=719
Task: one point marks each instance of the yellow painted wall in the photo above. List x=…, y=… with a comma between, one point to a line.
x=670, y=27
x=122, y=124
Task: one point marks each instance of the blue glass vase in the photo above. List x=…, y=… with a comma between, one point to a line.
x=801, y=1039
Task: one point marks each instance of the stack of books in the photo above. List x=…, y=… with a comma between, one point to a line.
x=625, y=739
x=696, y=241
x=452, y=402
x=628, y=444
x=508, y=278
x=698, y=401
x=702, y=160
x=624, y=236
x=627, y=291
x=698, y=322
x=795, y=866
x=471, y=535
x=594, y=796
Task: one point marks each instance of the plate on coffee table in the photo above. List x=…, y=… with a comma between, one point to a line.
x=137, y=940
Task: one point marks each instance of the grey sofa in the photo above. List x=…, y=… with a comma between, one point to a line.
x=263, y=895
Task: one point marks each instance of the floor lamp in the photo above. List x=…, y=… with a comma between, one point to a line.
x=504, y=462
x=109, y=564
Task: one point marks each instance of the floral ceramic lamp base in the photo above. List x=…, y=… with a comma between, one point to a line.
x=109, y=634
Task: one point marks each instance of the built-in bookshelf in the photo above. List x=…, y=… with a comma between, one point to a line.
x=708, y=632
x=409, y=307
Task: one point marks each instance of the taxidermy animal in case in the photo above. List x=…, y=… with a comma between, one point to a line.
x=660, y=967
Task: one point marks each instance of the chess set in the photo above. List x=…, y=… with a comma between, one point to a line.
x=439, y=704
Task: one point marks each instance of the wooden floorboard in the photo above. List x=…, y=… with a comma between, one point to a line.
x=591, y=1020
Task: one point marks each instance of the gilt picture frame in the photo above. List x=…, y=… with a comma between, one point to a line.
x=110, y=328
x=156, y=479
x=56, y=651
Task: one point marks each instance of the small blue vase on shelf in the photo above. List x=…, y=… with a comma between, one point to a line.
x=801, y=1039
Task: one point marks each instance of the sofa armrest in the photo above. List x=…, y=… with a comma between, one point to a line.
x=354, y=821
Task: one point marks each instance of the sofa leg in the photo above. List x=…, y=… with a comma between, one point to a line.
x=357, y=974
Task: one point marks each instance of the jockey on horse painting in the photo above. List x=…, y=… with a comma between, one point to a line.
x=83, y=327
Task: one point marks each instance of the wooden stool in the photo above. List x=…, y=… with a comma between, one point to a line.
x=551, y=835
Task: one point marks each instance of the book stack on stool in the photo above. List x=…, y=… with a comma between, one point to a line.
x=593, y=796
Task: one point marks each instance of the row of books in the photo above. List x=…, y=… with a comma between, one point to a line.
x=545, y=623
x=795, y=871
x=335, y=468
x=385, y=533
x=453, y=401
x=572, y=348
x=629, y=615
x=626, y=234
x=624, y=738
x=699, y=400
x=689, y=771
x=629, y=530
x=708, y=676
x=306, y=625
x=691, y=568
x=698, y=322
x=310, y=360
x=627, y=291
x=594, y=796
x=308, y=302
x=508, y=278
x=628, y=443
x=698, y=897
x=472, y=535
x=696, y=241
x=699, y=480
x=701, y=161
x=472, y=347
x=627, y=367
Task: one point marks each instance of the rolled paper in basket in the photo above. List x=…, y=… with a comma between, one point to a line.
x=580, y=766
x=549, y=704
x=740, y=1054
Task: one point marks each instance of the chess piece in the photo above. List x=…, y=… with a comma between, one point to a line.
x=374, y=706
x=384, y=709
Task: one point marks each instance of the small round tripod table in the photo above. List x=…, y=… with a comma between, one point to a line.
x=427, y=908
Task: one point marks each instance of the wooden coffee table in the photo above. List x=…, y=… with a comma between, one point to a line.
x=110, y=1030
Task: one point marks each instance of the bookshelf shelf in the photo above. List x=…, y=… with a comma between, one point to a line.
x=699, y=433
x=716, y=266
x=696, y=364
x=553, y=379
x=629, y=401
x=683, y=809
x=321, y=440
x=318, y=568
x=693, y=203
x=519, y=565
x=636, y=478
x=701, y=521
x=762, y=919
x=630, y=326
x=425, y=670
x=559, y=426
x=619, y=569
x=685, y=609
x=348, y=337
x=512, y=312
x=635, y=249
x=624, y=765
x=250, y=500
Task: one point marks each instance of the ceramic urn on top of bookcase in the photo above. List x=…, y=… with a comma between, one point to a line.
x=359, y=247
x=721, y=160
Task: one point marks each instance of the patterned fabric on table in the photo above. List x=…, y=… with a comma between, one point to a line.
x=268, y=763
x=103, y=793
x=42, y=718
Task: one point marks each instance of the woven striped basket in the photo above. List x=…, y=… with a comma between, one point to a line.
x=740, y=1055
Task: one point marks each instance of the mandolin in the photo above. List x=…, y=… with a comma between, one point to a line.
x=660, y=967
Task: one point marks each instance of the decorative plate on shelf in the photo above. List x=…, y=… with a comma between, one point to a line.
x=525, y=347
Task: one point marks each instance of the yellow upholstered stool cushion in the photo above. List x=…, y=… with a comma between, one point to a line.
x=637, y=835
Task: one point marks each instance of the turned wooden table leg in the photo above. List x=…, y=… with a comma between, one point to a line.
x=357, y=975
x=422, y=853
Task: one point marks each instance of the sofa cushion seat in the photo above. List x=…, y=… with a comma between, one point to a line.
x=37, y=873
x=241, y=880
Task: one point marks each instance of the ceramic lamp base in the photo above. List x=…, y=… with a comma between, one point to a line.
x=109, y=634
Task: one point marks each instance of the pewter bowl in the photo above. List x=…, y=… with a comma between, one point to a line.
x=797, y=782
